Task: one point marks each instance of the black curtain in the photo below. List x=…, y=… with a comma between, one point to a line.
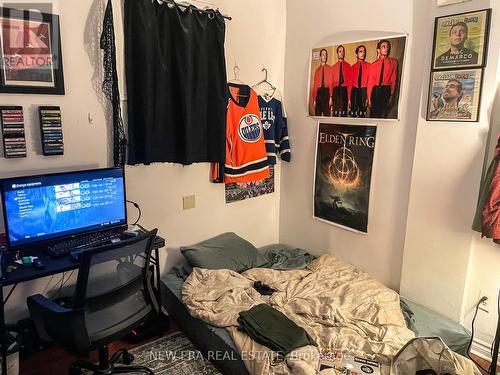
x=176, y=83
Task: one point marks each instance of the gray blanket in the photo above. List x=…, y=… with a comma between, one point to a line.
x=282, y=257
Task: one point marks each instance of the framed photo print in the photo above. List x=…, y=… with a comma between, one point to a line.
x=357, y=79
x=461, y=40
x=455, y=95
x=342, y=185
x=30, y=47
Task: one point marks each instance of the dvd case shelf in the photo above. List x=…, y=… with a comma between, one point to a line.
x=51, y=128
x=13, y=134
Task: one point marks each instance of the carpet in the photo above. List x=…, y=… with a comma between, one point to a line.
x=173, y=355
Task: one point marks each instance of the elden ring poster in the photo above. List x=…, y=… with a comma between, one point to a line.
x=344, y=160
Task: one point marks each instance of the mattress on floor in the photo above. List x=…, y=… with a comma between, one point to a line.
x=214, y=342
x=217, y=342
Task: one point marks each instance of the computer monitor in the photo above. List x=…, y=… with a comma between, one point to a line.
x=48, y=207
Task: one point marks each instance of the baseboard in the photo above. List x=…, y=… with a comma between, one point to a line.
x=482, y=349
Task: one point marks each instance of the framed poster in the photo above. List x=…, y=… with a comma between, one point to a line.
x=461, y=40
x=455, y=95
x=238, y=191
x=30, y=48
x=344, y=159
x=357, y=79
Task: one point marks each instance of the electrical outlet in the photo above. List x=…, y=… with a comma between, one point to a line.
x=487, y=305
x=188, y=202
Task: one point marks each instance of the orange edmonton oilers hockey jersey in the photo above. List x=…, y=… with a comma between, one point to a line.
x=246, y=156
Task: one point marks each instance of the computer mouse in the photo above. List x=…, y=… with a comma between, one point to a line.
x=37, y=263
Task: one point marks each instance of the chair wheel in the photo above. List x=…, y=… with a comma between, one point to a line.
x=75, y=371
x=128, y=358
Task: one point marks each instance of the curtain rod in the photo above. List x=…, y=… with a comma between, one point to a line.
x=209, y=11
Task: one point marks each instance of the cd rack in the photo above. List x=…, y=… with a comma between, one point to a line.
x=51, y=128
x=14, y=139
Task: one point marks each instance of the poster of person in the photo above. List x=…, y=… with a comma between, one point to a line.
x=344, y=158
x=461, y=40
x=245, y=190
x=455, y=95
x=357, y=79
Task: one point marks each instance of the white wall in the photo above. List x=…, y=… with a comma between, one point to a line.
x=85, y=144
x=484, y=264
x=445, y=263
x=426, y=175
x=445, y=183
x=254, y=38
x=327, y=22
x=484, y=276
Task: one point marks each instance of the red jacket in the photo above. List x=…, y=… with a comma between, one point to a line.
x=491, y=210
x=390, y=74
x=317, y=79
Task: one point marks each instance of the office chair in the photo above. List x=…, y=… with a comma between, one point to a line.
x=112, y=296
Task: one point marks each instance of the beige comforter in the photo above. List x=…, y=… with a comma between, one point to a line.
x=341, y=307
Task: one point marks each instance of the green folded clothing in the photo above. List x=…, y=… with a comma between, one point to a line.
x=271, y=328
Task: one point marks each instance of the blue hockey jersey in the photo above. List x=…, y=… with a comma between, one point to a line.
x=275, y=127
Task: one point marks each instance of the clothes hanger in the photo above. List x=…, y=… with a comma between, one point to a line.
x=236, y=80
x=271, y=86
x=265, y=90
x=236, y=72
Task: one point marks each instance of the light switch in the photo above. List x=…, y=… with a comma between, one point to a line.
x=188, y=202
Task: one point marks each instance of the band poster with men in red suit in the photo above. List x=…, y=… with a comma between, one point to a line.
x=360, y=79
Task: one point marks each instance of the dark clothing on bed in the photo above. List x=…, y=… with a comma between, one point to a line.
x=263, y=289
x=271, y=328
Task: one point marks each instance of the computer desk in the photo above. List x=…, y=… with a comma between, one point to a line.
x=53, y=266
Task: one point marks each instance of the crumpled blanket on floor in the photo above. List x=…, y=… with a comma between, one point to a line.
x=341, y=307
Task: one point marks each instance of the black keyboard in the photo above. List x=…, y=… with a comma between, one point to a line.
x=83, y=241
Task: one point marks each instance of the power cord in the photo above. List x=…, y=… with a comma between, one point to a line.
x=136, y=205
x=63, y=282
x=10, y=293
x=472, y=336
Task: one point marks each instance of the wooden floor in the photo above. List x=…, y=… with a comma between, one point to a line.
x=483, y=363
x=55, y=361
